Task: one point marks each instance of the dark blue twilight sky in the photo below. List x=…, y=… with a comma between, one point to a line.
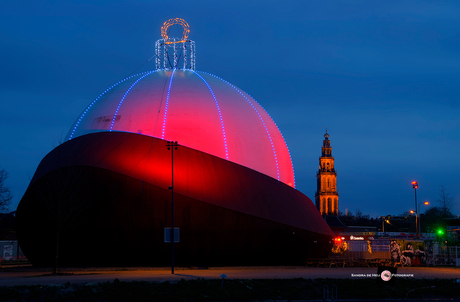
x=383, y=76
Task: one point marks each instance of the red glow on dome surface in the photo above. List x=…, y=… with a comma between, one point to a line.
x=199, y=111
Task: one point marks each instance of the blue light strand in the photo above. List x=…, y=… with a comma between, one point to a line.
x=166, y=104
x=95, y=100
x=284, y=140
x=124, y=96
x=220, y=114
x=260, y=117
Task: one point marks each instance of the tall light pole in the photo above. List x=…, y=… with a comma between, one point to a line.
x=383, y=223
x=412, y=212
x=172, y=146
x=420, y=219
x=415, y=186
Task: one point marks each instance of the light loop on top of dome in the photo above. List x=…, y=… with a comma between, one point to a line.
x=171, y=22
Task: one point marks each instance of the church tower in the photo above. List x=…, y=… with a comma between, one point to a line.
x=326, y=196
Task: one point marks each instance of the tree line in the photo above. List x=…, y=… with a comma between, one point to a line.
x=434, y=218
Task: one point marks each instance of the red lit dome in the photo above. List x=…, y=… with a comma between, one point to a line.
x=196, y=109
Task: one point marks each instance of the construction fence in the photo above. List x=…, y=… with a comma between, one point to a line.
x=395, y=252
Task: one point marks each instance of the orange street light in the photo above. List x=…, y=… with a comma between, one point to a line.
x=383, y=223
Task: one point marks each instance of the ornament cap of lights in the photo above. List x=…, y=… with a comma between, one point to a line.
x=175, y=52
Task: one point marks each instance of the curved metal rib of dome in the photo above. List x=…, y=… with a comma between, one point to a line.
x=82, y=115
x=270, y=118
x=166, y=104
x=261, y=119
x=124, y=96
x=220, y=114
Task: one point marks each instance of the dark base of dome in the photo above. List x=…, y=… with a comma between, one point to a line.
x=104, y=198
x=124, y=226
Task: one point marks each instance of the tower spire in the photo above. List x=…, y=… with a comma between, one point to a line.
x=326, y=196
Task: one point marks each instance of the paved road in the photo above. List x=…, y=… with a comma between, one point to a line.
x=33, y=276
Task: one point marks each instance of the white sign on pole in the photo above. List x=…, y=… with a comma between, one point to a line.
x=168, y=235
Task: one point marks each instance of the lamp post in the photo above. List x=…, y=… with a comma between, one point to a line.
x=172, y=146
x=385, y=219
x=415, y=186
x=420, y=219
x=414, y=212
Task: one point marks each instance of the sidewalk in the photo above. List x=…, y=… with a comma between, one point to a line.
x=34, y=276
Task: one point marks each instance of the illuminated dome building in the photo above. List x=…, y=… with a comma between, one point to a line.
x=235, y=201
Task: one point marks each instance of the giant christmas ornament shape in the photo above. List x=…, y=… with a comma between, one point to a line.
x=198, y=109
x=234, y=196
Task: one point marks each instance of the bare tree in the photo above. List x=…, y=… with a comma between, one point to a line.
x=446, y=203
x=62, y=196
x=5, y=194
x=433, y=219
x=359, y=214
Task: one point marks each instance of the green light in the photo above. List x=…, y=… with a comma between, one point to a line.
x=440, y=232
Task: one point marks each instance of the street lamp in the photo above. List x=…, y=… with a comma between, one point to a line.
x=385, y=219
x=414, y=212
x=420, y=220
x=418, y=228
x=172, y=146
x=415, y=186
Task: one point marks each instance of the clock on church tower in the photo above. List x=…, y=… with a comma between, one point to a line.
x=326, y=196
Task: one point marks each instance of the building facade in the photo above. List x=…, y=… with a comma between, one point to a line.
x=326, y=196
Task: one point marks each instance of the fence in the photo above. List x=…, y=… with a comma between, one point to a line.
x=362, y=249
x=446, y=255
